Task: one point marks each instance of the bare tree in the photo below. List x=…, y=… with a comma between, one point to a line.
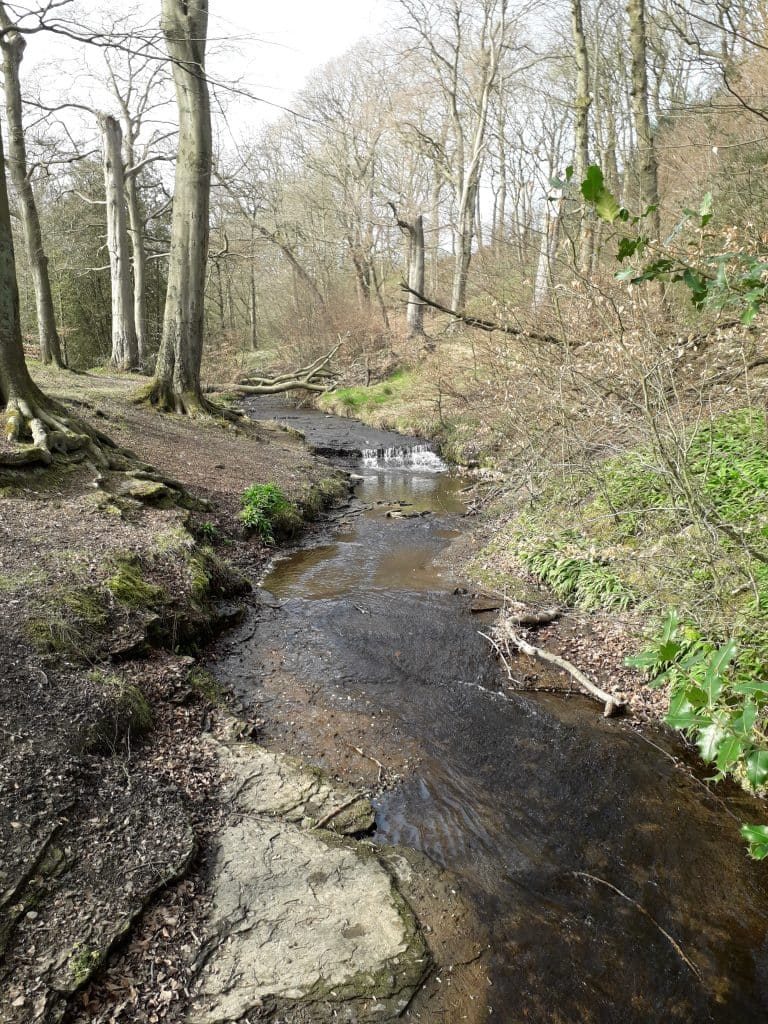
x=13, y=45
x=582, y=104
x=176, y=387
x=464, y=44
x=648, y=174
x=125, y=349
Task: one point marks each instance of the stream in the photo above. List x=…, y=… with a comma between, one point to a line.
x=612, y=885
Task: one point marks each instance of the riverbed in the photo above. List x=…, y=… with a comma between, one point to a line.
x=612, y=886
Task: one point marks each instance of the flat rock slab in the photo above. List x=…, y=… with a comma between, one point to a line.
x=302, y=918
x=267, y=783
x=303, y=923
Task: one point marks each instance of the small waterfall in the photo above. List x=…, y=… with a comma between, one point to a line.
x=418, y=456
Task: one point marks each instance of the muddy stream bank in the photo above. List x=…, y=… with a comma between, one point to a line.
x=609, y=885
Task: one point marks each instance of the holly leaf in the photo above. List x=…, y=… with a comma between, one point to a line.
x=729, y=752
x=593, y=185
x=757, y=768
x=708, y=741
x=629, y=246
x=718, y=663
x=757, y=840
x=682, y=714
x=607, y=207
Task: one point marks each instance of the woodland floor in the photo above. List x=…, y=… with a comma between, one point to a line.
x=115, y=801
x=96, y=817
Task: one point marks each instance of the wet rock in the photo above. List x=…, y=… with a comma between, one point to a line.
x=276, y=785
x=301, y=918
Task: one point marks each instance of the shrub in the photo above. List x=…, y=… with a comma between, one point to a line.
x=267, y=511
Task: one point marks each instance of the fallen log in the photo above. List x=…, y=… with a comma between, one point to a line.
x=314, y=377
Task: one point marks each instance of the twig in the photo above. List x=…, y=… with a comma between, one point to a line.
x=368, y=757
x=673, y=942
x=337, y=810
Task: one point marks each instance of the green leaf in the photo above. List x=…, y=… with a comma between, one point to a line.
x=708, y=741
x=728, y=752
x=757, y=840
x=628, y=247
x=743, y=725
x=644, y=660
x=593, y=185
x=669, y=626
x=757, y=768
x=607, y=207
x=718, y=663
x=682, y=714
x=705, y=210
x=751, y=686
x=698, y=286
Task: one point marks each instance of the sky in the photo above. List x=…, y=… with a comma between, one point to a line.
x=270, y=48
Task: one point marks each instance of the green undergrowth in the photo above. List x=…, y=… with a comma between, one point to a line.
x=355, y=401
x=269, y=513
x=683, y=526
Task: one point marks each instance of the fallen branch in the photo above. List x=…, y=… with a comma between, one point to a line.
x=673, y=942
x=313, y=377
x=368, y=757
x=489, y=325
x=611, y=705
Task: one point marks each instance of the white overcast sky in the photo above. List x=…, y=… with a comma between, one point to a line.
x=270, y=47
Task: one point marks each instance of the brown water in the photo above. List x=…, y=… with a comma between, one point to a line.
x=615, y=889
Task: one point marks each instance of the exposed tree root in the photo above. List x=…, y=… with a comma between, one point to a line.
x=183, y=403
x=39, y=430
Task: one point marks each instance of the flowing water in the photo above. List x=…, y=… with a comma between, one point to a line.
x=613, y=886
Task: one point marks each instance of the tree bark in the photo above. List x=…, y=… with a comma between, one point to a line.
x=581, y=131
x=34, y=424
x=176, y=387
x=125, y=348
x=136, y=232
x=648, y=175
x=13, y=45
x=416, y=281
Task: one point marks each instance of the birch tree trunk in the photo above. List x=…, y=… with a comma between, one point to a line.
x=176, y=387
x=125, y=349
x=13, y=45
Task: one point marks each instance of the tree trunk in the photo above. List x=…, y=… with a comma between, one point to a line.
x=646, y=153
x=464, y=246
x=13, y=45
x=35, y=425
x=136, y=231
x=177, y=375
x=125, y=348
x=415, y=312
x=581, y=131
